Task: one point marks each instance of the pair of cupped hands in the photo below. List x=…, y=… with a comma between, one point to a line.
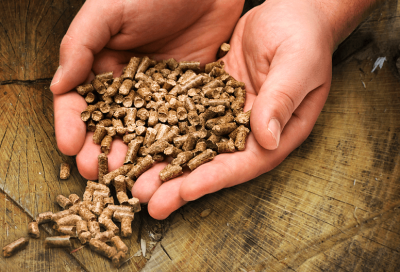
x=281, y=50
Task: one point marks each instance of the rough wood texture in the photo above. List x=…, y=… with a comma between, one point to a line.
x=330, y=206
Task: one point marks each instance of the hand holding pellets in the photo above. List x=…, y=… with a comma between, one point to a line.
x=166, y=108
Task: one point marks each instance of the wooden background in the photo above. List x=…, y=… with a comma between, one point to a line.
x=332, y=205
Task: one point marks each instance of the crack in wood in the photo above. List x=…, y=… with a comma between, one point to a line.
x=26, y=82
x=165, y=251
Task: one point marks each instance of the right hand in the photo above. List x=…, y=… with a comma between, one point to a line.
x=104, y=35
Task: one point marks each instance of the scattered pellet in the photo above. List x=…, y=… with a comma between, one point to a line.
x=81, y=226
x=140, y=167
x=93, y=227
x=119, y=244
x=106, y=144
x=102, y=167
x=67, y=230
x=182, y=158
x=223, y=50
x=170, y=172
x=68, y=220
x=74, y=198
x=86, y=214
x=102, y=248
x=118, y=258
x=15, y=246
x=57, y=241
x=74, y=209
x=226, y=147
x=123, y=208
x=64, y=170
x=57, y=216
x=205, y=213
x=85, y=237
x=44, y=217
x=202, y=158
x=123, y=170
x=105, y=236
x=126, y=219
x=129, y=183
x=33, y=229
x=135, y=204
x=64, y=202
x=108, y=201
x=133, y=149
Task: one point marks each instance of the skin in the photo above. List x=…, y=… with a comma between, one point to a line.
x=282, y=50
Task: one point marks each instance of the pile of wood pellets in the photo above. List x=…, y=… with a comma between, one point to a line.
x=159, y=109
x=166, y=108
x=83, y=219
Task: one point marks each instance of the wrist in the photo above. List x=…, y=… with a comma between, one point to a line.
x=343, y=16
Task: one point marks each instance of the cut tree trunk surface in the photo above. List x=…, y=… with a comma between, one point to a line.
x=332, y=205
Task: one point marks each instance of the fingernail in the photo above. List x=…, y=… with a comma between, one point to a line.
x=57, y=76
x=275, y=129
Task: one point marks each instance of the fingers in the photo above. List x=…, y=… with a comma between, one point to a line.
x=290, y=78
x=162, y=198
x=88, y=33
x=69, y=128
x=166, y=199
x=86, y=159
x=148, y=183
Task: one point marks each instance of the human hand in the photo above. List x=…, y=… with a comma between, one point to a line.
x=282, y=50
x=106, y=34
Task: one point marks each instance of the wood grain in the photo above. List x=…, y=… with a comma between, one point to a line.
x=332, y=205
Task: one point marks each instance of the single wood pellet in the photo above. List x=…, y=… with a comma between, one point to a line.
x=64, y=170
x=15, y=246
x=57, y=241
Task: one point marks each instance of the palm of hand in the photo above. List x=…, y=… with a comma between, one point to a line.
x=277, y=52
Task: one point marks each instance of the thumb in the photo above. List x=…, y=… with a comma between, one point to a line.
x=290, y=78
x=88, y=33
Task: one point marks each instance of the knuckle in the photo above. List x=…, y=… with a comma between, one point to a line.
x=66, y=41
x=285, y=104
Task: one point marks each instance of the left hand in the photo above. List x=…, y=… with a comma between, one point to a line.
x=282, y=50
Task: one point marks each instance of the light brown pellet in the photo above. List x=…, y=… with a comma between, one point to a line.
x=140, y=167
x=123, y=170
x=33, y=229
x=67, y=230
x=202, y=158
x=68, y=220
x=170, y=172
x=57, y=216
x=15, y=246
x=102, y=248
x=64, y=170
x=64, y=202
x=133, y=149
x=57, y=241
